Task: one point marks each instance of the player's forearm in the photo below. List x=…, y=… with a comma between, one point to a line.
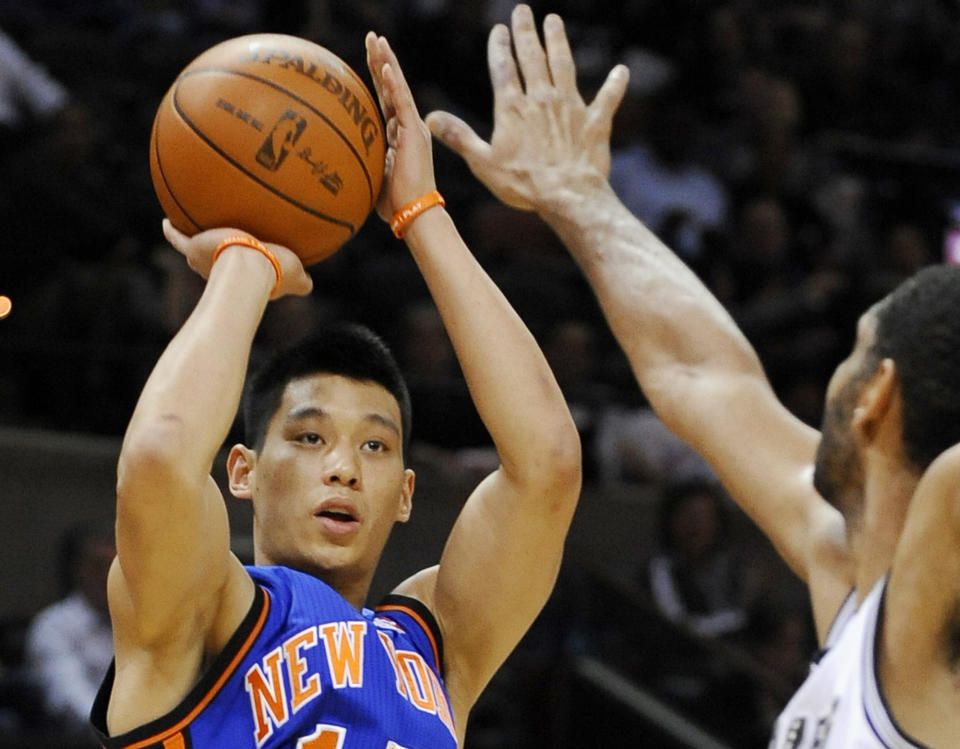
x=659, y=311
x=515, y=392
x=190, y=400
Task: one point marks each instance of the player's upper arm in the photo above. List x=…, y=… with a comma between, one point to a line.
x=499, y=566
x=173, y=545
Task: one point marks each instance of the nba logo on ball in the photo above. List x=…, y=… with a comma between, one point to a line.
x=281, y=138
x=271, y=134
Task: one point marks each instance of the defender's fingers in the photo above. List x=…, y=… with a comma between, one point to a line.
x=559, y=55
x=608, y=98
x=530, y=55
x=459, y=137
x=503, y=69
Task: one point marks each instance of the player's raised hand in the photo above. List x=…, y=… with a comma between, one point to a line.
x=409, y=168
x=544, y=136
x=199, y=250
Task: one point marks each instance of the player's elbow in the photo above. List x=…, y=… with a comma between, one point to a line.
x=558, y=472
x=151, y=460
x=567, y=456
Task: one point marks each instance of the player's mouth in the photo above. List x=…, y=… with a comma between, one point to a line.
x=337, y=519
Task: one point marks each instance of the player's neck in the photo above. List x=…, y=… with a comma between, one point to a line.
x=350, y=581
x=350, y=584
x=354, y=591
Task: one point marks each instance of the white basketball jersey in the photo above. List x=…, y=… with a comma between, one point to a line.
x=839, y=706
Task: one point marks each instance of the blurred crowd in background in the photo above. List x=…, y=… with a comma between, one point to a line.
x=802, y=156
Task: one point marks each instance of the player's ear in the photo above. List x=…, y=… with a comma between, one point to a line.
x=876, y=398
x=240, y=465
x=405, y=505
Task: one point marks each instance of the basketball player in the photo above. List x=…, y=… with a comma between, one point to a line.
x=866, y=512
x=210, y=653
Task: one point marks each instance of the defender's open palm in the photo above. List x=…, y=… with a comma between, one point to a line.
x=544, y=135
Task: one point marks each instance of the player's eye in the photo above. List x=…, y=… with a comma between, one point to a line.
x=374, y=446
x=310, y=438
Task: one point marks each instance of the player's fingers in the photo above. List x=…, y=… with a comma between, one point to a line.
x=401, y=89
x=608, y=98
x=392, y=131
x=174, y=236
x=530, y=55
x=304, y=284
x=295, y=279
x=459, y=137
x=559, y=55
x=399, y=96
x=374, y=63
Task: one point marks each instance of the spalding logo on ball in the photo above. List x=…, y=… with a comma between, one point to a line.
x=272, y=134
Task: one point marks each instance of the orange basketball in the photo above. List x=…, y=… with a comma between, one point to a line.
x=272, y=134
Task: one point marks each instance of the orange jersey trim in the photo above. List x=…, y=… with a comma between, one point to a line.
x=414, y=614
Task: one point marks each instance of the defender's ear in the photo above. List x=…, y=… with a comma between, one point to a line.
x=877, y=397
x=240, y=466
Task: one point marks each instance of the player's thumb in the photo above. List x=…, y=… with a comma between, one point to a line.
x=457, y=135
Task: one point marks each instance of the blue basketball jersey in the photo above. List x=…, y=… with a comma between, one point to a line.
x=306, y=670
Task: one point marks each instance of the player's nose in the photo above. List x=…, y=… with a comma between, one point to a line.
x=342, y=466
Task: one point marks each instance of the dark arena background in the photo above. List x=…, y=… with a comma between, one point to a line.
x=802, y=156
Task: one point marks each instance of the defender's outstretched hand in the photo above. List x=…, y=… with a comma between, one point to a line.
x=544, y=137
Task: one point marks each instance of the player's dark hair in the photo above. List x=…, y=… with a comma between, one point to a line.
x=918, y=326
x=346, y=349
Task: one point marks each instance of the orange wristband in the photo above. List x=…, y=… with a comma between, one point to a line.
x=410, y=211
x=254, y=244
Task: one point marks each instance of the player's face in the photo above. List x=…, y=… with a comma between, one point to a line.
x=330, y=482
x=838, y=471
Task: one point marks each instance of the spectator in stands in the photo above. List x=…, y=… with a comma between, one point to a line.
x=745, y=705
x=573, y=348
x=659, y=178
x=697, y=579
x=27, y=90
x=69, y=644
x=632, y=445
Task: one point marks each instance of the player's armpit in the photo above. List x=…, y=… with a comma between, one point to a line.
x=498, y=569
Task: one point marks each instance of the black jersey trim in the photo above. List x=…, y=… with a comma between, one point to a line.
x=872, y=683
x=420, y=613
x=846, y=611
x=153, y=733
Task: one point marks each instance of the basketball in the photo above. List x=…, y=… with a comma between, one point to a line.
x=271, y=134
